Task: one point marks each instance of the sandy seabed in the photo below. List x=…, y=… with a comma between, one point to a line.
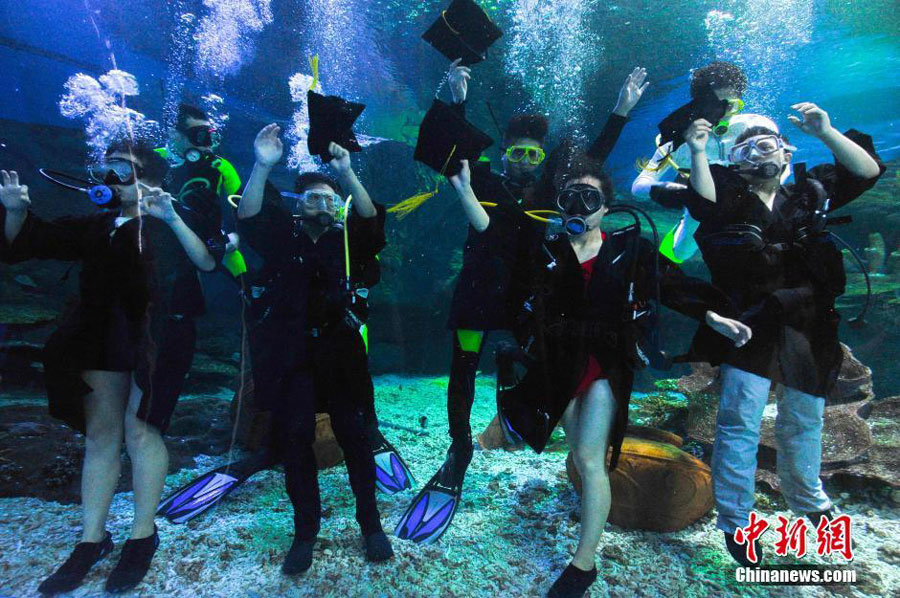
x=512, y=536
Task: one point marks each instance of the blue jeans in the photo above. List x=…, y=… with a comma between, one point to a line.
x=798, y=433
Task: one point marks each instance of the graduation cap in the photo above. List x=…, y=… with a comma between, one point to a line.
x=331, y=119
x=464, y=31
x=706, y=105
x=445, y=139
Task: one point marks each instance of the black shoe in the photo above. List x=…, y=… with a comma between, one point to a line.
x=378, y=547
x=816, y=517
x=572, y=583
x=71, y=573
x=134, y=562
x=739, y=551
x=299, y=557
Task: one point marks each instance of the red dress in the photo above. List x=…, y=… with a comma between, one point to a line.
x=593, y=371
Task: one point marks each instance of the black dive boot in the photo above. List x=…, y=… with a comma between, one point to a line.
x=299, y=557
x=573, y=583
x=133, y=564
x=816, y=518
x=71, y=573
x=378, y=547
x=739, y=552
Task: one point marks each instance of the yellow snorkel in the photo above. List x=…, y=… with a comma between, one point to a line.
x=364, y=328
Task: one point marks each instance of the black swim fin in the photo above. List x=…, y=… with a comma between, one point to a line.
x=392, y=474
x=203, y=493
x=432, y=510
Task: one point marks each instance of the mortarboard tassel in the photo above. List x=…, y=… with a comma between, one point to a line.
x=314, y=67
x=411, y=204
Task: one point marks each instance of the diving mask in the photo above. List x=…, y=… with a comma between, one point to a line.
x=757, y=147
x=322, y=201
x=577, y=202
x=735, y=106
x=533, y=154
x=202, y=135
x=580, y=199
x=114, y=171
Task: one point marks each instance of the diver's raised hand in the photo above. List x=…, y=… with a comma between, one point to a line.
x=158, y=203
x=475, y=212
x=737, y=331
x=631, y=91
x=697, y=134
x=233, y=243
x=340, y=159
x=268, y=147
x=816, y=121
x=13, y=195
x=463, y=179
x=458, y=79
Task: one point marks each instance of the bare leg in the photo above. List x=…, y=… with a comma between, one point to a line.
x=104, y=408
x=149, y=465
x=589, y=425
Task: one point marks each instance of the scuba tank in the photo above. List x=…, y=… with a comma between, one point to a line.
x=818, y=245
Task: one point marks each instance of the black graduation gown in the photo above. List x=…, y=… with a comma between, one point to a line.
x=562, y=322
x=300, y=291
x=780, y=291
x=132, y=278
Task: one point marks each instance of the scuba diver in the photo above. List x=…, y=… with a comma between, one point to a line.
x=201, y=182
x=711, y=84
x=768, y=248
x=309, y=303
x=480, y=299
x=392, y=474
x=584, y=321
x=103, y=362
x=201, y=179
x=198, y=176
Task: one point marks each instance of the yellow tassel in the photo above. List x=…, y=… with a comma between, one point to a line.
x=314, y=66
x=411, y=204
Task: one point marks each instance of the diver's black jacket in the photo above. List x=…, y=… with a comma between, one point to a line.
x=129, y=285
x=480, y=298
x=784, y=289
x=561, y=321
x=300, y=288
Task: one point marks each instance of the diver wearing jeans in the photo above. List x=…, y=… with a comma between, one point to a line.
x=308, y=345
x=767, y=248
x=726, y=82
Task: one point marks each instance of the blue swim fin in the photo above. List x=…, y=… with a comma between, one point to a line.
x=203, y=493
x=432, y=510
x=392, y=474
